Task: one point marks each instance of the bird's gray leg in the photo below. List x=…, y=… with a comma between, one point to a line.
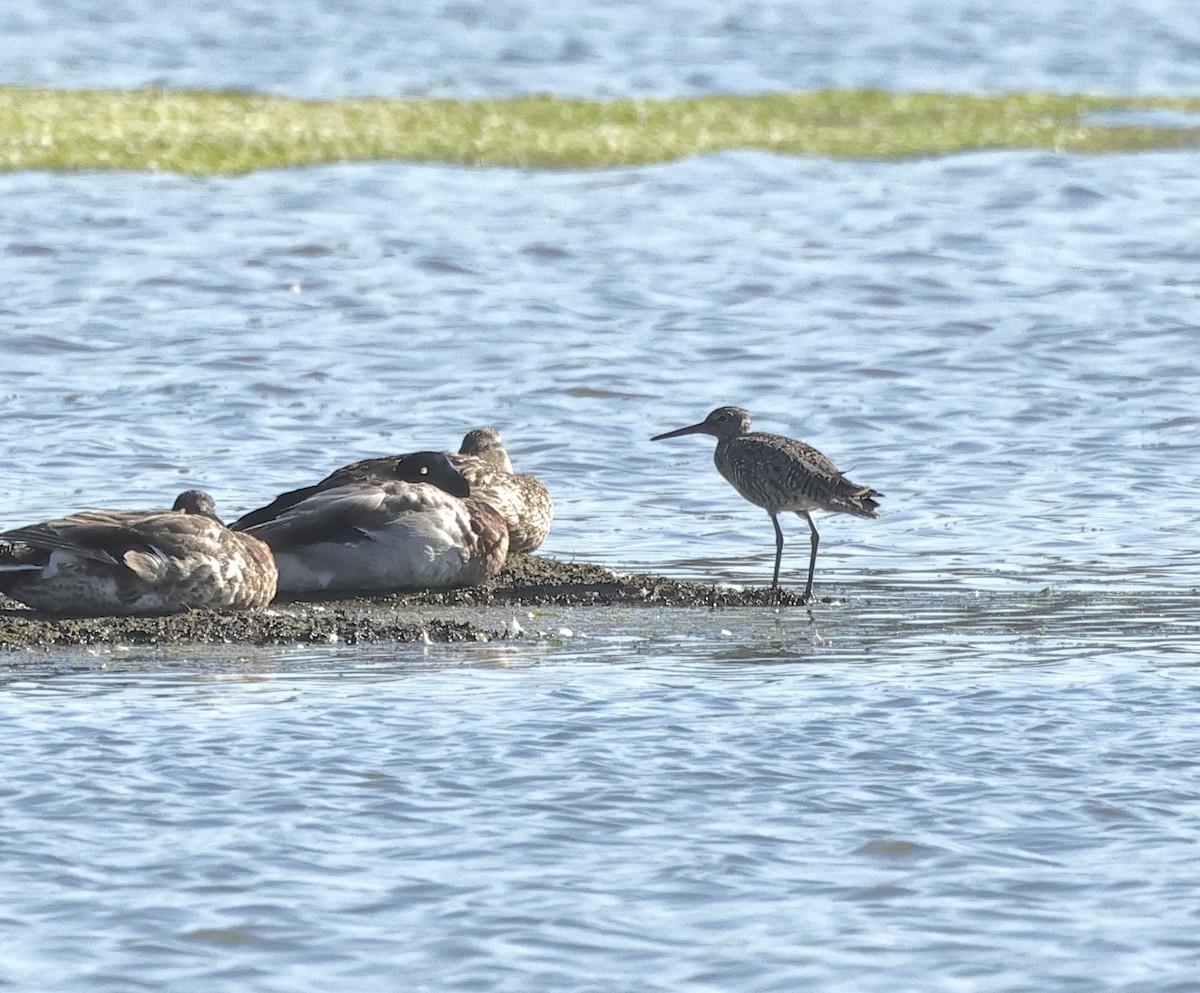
x=778, y=550
x=812, y=559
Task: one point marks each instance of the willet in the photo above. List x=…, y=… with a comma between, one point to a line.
x=778, y=473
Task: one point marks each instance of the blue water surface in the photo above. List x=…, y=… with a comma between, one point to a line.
x=970, y=769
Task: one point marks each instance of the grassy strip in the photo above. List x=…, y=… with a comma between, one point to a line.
x=229, y=133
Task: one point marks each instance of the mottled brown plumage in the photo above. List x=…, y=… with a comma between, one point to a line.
x=112, y=562
x=779, y=473
x=487, y=447
x=521, y=499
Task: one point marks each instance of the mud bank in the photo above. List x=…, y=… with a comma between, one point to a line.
x=528, y=580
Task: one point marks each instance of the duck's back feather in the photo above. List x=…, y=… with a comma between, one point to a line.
x=384, y=536
x=123, y=562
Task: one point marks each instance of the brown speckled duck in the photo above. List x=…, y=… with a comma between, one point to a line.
x=113, y=562
x=409, y=524
x=522, y=500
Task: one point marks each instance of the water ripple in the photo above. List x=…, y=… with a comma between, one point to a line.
x=974, y=767
x=370, y=47
x=624, y=818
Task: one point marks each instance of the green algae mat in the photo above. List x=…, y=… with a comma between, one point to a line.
x=206, y=133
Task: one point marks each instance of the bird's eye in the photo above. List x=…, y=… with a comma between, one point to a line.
x=424, y=470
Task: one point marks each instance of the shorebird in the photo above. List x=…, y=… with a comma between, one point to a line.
x=411, y=525
x=521, y=499
x=779, y=473
x=113, y=562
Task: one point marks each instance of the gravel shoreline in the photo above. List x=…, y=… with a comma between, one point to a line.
x=527, y=580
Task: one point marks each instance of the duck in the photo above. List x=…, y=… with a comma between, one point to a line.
x=99, y=563
x=410, y=525
x=521, y=499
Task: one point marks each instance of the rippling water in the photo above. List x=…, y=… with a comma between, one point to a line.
x=899, y=811
x=322, y=48
x=973, y=770
x=1003, y=344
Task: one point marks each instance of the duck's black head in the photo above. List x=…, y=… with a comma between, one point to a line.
x=433, y=468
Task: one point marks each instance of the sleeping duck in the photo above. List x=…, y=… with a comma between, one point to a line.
x=410, y=525
x=114, y=562
x=521, y=499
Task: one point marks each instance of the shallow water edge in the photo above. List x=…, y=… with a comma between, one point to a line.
x=397, y=617
x=539, y=601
